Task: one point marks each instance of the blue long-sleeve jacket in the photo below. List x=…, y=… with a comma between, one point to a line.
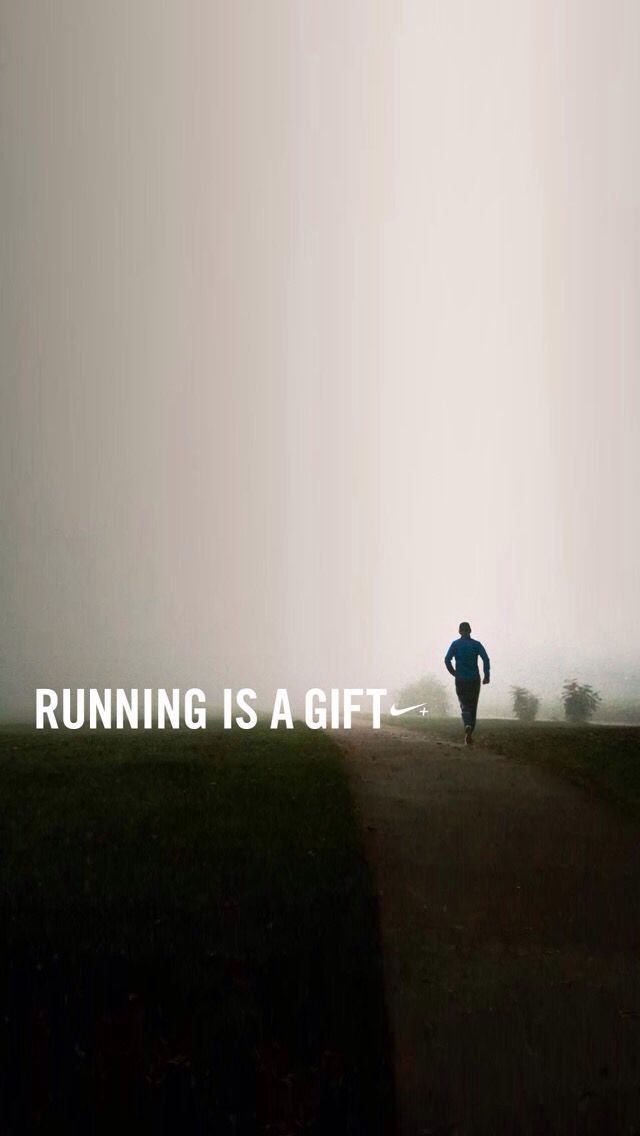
x=465, y=651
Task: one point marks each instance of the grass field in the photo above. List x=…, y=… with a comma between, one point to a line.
x=189, y=938
x=605, y=759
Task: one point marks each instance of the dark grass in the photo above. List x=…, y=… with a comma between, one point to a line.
x=189, y=937
x=604, y=759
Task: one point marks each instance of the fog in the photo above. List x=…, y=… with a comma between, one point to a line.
x=318, y=332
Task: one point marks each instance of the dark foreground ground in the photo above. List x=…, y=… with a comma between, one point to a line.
x=188, y=938
x=509, y=888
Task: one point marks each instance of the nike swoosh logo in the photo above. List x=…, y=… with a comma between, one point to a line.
x=394, y=711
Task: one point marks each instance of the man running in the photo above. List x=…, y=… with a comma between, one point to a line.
x=465, y=651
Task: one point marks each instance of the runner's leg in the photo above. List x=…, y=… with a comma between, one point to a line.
x=468, y=691
x=474, y=695
x=466, y=704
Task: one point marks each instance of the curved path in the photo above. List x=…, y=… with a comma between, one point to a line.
x=510, y=912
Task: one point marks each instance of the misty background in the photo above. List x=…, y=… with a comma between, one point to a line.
x=318, y=334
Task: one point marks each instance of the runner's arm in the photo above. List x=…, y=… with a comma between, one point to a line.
x=486, y=662
x=447, y=660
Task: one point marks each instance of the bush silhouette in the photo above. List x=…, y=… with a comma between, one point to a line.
x=580, y=701
x=525, y=704
x=427, y=689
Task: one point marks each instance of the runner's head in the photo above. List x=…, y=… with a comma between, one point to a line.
x=465, y=629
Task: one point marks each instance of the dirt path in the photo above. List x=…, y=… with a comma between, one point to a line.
x=510, y=908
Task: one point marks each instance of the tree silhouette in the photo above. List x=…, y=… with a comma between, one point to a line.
x=525, y=704
x=427, y=689
x=580, y=701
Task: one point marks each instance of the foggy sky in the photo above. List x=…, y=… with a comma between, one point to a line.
x=318, y=334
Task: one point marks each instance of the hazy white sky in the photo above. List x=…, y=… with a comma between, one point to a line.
x=318, y=327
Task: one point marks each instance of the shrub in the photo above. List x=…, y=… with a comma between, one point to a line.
x=580, y=701
x=525, y=704
x=427, y=689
